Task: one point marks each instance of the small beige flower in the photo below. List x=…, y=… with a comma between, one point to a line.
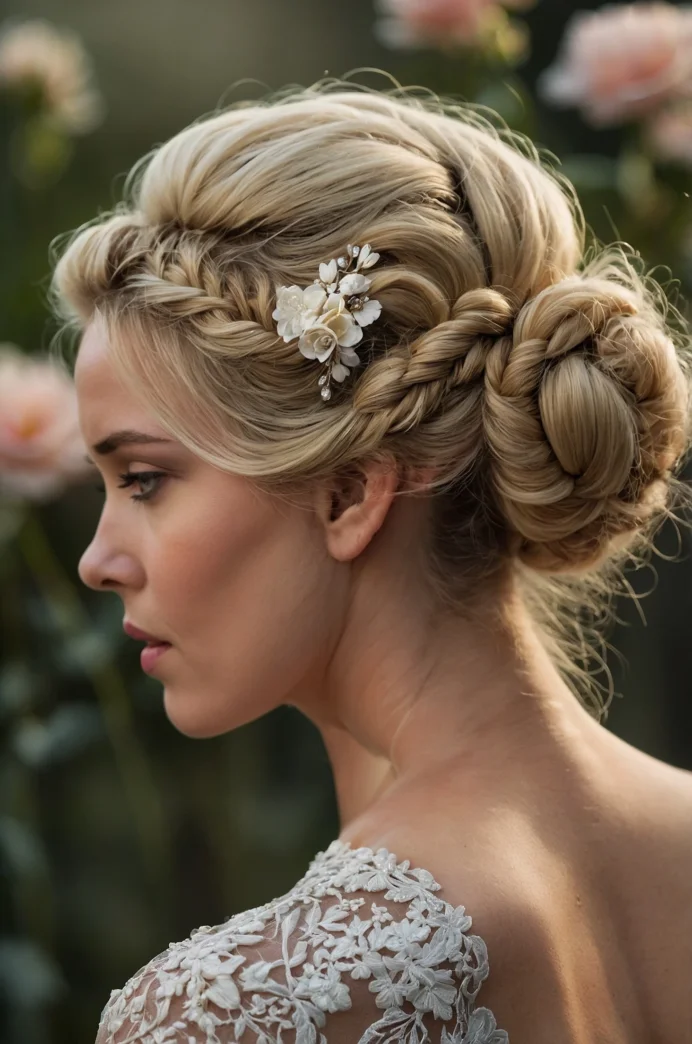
x=622, y=61
x=336, y=327
x=41, y=447
x=35, y=54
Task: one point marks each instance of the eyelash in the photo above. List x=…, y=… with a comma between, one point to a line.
x=130, y=477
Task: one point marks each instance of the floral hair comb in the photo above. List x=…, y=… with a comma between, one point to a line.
x=329, y=315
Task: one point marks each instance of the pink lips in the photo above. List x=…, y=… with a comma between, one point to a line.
x=155, y=648
x=151, y=654
x=142, y=636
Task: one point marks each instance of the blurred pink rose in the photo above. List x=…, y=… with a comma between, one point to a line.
x=36, y=53
x=413, y=23
x=41, y=447
x=622, y=61
x=670, y=134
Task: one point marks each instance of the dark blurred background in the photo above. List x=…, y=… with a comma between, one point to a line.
x=118, y=834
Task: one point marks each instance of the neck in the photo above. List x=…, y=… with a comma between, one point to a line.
x=474, y=705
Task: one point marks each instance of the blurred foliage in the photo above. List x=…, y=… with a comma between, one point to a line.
x=117, y=834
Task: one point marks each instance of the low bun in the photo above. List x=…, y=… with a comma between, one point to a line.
x=586, y=414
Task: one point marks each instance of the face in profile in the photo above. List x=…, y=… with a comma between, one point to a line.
x=236, y=581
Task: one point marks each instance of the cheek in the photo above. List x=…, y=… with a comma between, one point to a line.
x=248, y=598
x=231, y=566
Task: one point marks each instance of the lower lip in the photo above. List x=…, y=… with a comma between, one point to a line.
x=151, y=655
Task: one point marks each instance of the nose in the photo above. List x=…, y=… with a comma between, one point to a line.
x=107, y=568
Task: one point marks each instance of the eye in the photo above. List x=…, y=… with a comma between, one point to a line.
x=141, y=478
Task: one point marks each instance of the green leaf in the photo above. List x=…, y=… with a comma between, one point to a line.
x=504, y=98
x=18, y=687
x=21, y=848
x=83, y=652
x=11, y=518
x=28, y=975
x=590, y=172
x=40, y=153
x=67, y=732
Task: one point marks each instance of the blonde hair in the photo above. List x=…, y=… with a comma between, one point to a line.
x=548, y=388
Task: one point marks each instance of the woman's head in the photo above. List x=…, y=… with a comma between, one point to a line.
x=537, y=399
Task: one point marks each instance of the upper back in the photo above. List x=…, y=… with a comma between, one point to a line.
x=585, y=904
x=574, y=919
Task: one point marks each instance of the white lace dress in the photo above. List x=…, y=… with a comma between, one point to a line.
x=359, y=951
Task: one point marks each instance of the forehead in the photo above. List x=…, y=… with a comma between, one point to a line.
x=94, y=374
x=104, y=401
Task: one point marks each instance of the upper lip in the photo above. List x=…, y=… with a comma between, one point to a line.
x=135, y=632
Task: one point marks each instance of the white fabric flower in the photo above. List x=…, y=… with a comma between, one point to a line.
x=340, y=370
x=318, y=342
x=326, y=325
x=332, y=328
x=297, y=308
x=289, y=311
x=335, y=328
x=315, y=300
x=328, y=274
x=366, y=257
x=354, y=283
x=368, y=313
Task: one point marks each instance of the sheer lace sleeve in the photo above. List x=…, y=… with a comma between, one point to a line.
x=359, y=951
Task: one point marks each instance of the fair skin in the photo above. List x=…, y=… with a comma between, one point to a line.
x=438, y=729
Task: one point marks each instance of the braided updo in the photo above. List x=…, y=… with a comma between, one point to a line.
x=547, y=393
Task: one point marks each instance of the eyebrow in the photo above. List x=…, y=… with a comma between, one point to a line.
x=128, y=437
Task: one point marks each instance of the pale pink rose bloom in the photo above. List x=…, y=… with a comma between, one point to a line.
x=670, y=134
x=410, y=23
x=622, y=61
x=35, y=53
x=41, y=447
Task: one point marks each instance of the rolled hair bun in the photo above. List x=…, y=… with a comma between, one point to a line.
x=586, y=413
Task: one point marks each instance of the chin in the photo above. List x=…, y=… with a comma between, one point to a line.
x=185, y=717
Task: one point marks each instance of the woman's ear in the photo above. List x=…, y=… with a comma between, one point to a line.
x=354, y=505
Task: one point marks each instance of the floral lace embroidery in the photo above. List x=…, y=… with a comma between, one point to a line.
x=317, y=938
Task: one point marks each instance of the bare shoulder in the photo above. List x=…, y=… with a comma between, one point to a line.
x=659, y=806
x=657, y=797
x=362, y=948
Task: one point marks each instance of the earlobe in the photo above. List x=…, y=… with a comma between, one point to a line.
x=358, y=504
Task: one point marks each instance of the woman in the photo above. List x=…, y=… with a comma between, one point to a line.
x=389, y=433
